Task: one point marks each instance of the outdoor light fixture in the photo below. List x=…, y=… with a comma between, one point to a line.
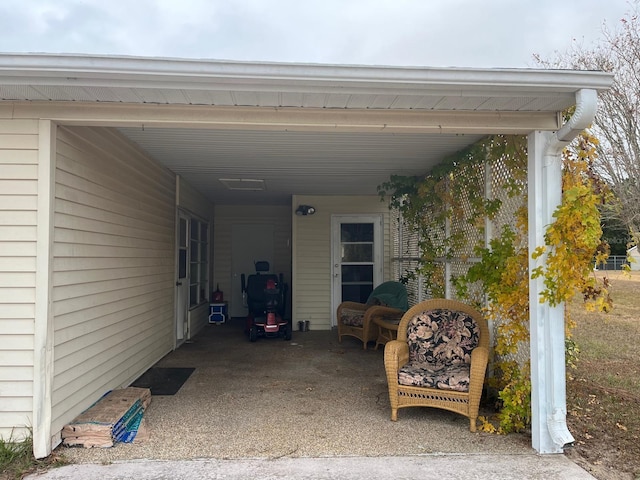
x=305, y=210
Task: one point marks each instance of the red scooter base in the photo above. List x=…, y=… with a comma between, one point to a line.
x=268, y=327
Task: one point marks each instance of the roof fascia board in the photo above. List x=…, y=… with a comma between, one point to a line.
x=141, y=72
x=288, y=118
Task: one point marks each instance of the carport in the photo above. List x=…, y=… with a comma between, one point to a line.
x=218, y=138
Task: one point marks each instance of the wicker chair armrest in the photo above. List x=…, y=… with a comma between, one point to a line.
x=479, y=361
x=353, y=306
x=396, y=354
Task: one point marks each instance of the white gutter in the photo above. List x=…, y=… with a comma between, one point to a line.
x=146, y=72
x=553, y=369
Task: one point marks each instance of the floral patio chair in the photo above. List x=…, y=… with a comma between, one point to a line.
x=439, y=359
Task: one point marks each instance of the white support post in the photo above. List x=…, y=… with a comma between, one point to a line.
x=548, y=372
x=43, y=325
x=548, y=375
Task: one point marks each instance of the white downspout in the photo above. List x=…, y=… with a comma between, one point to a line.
x=548, y=372
x=586, y=106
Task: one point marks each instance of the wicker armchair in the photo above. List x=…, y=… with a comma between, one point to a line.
x=388, y=301
x=439, y=359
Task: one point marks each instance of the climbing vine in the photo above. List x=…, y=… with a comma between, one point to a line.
x=574, y=241
x=497, y=280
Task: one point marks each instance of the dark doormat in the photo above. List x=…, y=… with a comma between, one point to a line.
x=163, y=381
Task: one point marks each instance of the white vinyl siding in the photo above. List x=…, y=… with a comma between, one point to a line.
x=113, y=267
x=312, y=252
x=193, y=201
x=18, y=230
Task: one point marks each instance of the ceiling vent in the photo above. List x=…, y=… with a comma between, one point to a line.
x=243, y=184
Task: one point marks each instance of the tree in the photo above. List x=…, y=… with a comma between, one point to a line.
x=617, y=122
x=616, y=234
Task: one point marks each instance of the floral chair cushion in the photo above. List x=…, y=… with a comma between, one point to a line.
x=440, y=345
x=455, y=377
x=442, y=337
x=352, y=317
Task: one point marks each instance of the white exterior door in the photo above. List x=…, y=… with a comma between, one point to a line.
x=357, y=254
x=182, y=281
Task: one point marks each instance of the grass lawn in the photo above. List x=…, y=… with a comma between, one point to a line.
x=603, y=392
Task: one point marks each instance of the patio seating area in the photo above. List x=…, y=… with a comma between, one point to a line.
x=308, y=397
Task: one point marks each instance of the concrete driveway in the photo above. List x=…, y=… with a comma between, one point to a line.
x=307, y=408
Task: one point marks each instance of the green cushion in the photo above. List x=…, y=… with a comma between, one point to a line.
x=390, y=294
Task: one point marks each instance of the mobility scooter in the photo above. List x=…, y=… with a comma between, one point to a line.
x=265, y=294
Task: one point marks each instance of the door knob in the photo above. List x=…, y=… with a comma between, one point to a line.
x=178, y=284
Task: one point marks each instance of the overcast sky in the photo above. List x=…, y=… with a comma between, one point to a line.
x=437, y=33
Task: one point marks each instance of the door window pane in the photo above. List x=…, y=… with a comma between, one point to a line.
x=357, y=282
x=357, y=252
x=356, y=293
x=182, y=263
x=182, y=242
x=357, y=273
x=356, y=232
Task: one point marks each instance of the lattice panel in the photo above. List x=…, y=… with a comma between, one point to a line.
x=504, y=181
x=501, y=179
x=501, y=185
x=461, y=223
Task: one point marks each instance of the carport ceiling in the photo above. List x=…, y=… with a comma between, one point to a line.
x=301, y=129
x=292, y=163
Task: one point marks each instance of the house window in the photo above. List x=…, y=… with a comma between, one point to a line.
x=198, y=262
